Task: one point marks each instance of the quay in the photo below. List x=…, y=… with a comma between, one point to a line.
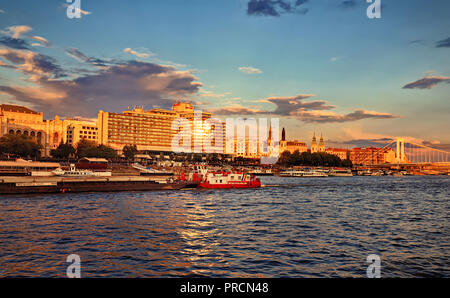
x=29, y=185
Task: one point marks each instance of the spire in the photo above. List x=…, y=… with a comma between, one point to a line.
x=283, y=135
x=321, y=144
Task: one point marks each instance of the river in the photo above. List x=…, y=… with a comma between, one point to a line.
x=292, y=227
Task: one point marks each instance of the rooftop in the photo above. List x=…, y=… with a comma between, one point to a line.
x=17, y=109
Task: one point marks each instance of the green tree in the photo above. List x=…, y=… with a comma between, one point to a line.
x=306, y=159
x=63, y=151
x=106, y=152
x=129, y=151
x=296, y=158
x=285, y=158
x=20, y=145
x=85, y=148
x=90, y=149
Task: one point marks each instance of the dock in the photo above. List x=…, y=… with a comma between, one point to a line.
x=56, y=184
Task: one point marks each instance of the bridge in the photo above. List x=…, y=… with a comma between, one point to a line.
x=407, y=152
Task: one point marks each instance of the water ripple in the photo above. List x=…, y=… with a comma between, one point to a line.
x=302, y=228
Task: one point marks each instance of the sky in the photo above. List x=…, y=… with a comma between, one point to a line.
x=320, y=66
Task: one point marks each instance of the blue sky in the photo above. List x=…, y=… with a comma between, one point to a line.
x=236, y=59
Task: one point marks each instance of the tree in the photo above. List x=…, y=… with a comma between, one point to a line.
x=285, y=158
x=63, y=151
x=347, y=163
x=90, y=149
x=106, y=152
x=296, y=158
x=85, y=148
x=20, y=145
x=129, y=151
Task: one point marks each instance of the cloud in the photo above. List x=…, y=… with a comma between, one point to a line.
x=14, y=43
x=445, y=43
x=2, y=11
x=36, y=65
x=78, y=55
x=250, y=70
x=348, y=4
x=330, y=117
x=84, y=12
x=235, y=109
x=275, y=7
x=318, y=111
x=17, y=31
x=335, y=59
x=427, y=82
x=114, y=87
x=140, y=55
x=286, y=106
x=42, y=42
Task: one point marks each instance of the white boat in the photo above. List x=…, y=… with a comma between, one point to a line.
x=73, y=172
x=302, y=173
x=261, y=172
x=340, y=173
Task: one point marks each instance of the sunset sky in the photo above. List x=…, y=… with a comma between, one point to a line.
x=319, y=65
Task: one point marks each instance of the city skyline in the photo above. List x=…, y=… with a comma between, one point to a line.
x=324, y=65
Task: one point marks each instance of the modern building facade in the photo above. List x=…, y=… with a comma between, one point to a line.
x=156, y=130
x=81, y=130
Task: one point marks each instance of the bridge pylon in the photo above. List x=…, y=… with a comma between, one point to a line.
x=400, y=156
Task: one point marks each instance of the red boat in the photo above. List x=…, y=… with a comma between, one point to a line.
x=229, y=180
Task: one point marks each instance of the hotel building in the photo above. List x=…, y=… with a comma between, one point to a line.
x=154, y=130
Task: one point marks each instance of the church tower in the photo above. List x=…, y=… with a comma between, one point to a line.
x=283, y=142
x=314, y=144
x=321, y=144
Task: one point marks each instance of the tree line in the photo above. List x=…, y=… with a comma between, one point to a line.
x=318, y=159
x=27, y=147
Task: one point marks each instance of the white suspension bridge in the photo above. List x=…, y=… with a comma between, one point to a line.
x=410, y=152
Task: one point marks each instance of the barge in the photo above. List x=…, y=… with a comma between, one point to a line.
x=34, y=185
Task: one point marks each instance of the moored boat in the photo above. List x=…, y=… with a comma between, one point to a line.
x=303, y=173
x=261, y=172
x=340, y=173
x=73, y=172
x=29, y=185
x=229, y=180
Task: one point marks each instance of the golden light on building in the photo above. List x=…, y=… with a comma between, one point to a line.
x=153, y=130
x=21, y=120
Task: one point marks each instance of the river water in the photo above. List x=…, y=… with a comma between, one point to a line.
x=293, y=227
